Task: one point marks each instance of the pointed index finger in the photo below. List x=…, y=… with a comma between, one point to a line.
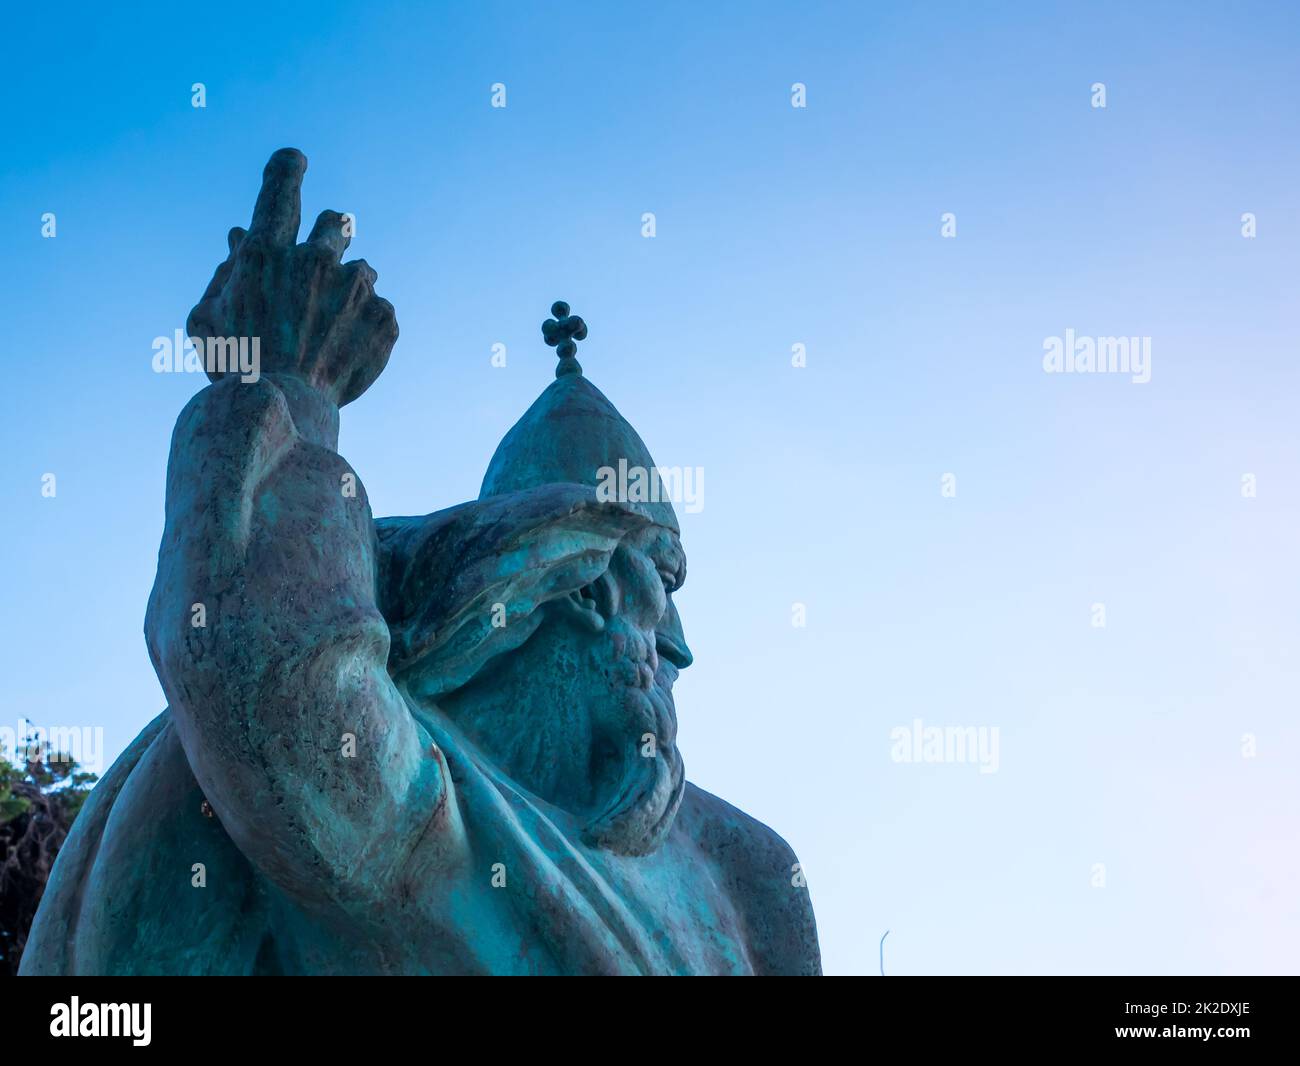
x=279, y=207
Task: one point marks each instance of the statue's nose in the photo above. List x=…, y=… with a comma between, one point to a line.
x=670, y=641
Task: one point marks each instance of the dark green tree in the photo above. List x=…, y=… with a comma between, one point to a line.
x=40, y=796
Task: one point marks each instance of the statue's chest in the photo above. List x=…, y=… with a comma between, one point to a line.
x=546, y=904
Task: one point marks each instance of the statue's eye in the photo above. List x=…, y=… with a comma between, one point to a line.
x=599, y=596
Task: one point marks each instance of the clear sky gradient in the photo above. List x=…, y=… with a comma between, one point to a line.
x=1120, y=745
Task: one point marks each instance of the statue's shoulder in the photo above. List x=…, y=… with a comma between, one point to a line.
x=761, y=874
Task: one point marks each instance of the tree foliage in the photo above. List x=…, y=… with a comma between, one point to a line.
x=40, y=796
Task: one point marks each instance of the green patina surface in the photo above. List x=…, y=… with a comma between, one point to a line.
x=438, y=744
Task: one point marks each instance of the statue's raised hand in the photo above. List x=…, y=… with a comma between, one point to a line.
x=316, y=318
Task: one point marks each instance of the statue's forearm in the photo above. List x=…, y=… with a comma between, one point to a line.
x=265, y=634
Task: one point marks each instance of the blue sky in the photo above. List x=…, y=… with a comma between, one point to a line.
x=775, y=226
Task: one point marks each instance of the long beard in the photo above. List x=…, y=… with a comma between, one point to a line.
x=649, y=787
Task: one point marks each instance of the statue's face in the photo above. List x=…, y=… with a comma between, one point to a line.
x=582, y=713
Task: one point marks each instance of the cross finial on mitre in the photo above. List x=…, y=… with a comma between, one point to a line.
x=561, y=333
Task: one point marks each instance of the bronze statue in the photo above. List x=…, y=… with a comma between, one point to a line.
x=443, y=744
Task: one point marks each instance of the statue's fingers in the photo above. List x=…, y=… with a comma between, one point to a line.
x=278, y=211
x=195, y=321
x=219, y=278
x=199, y=322
x=381, y=320
x=375, y=333
x=358, y=285
x=332, y=231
